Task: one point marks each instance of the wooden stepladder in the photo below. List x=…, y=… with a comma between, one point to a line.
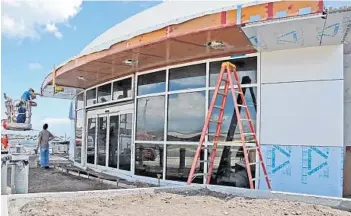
x=228, y=71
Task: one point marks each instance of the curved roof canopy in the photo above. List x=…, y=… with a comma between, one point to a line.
x=170, y=33
x=160, y=16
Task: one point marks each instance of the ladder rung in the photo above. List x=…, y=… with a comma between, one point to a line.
x=248, y=133
x=217, y=107
x=199, y=174
x=218, y=122
x=246, y=119
x=239, y=105
x=222, y=93
x=238, y=92
x=261, y=177
x=212, y=134
x=255, y=163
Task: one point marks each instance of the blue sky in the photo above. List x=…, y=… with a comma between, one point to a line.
x=28, y=57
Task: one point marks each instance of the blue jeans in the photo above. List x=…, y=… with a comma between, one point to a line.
x=44, y=157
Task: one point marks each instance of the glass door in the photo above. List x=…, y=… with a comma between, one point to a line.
x=109, y=139
x=91, y=134
x=101, y=140
x=125, y=141
x=113, y=140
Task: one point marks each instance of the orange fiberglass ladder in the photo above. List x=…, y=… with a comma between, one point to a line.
x=225, y=75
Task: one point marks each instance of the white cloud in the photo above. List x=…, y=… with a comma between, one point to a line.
x=35, y=66
x=53, y=29
x=56, y=121
x=23, y=19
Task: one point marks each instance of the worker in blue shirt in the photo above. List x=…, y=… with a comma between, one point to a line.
x=29, y=96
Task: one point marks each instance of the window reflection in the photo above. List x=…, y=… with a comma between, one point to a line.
x=101, y=141
x=148, y=159
x=91, y=140
x=229, y=167
x=125, y=141
x=245, y=67
x=179, y=162
x=80, y=101
x=113, y=141
x=152, y=83
x=186, y=114
x=91, y=97
x=188, y=77
x=150, y=118
x=122, y=89
x=104, y=93
x=230, y=131
x=78, y=134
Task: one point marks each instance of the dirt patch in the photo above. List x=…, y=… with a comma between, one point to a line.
x=52, y=180
x=171, y=204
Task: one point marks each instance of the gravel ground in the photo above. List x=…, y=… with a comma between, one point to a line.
x=171, y=204
x=51, y=180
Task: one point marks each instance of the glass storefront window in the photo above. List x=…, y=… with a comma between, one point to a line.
x=152, y=83
x=229, y=167
x=150, y=118
x=91, y=97
x=230, y=130
x=188, y=77
x=104, y=93
x=186, y=114
x=247, y=70
x=122, y=89
x=179, y=162
x=148, y=159
x=80, y=101
x=78, y=134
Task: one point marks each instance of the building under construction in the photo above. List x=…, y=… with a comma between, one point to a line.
x=142, y=89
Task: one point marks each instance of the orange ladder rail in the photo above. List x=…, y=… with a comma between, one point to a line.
x=228, y=69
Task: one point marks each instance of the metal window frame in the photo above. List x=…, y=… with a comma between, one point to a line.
x=166, y=93
x=207, y=90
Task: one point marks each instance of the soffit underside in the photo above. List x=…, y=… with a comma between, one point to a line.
x=171, y=51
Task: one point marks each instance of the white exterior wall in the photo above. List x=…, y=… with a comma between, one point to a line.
x=302, y=96
x=347, y=99
x=302, y=119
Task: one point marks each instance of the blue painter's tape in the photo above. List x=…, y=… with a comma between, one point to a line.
x=255, y=18
x=281, y=14
x=304, y=11
x=238, y=15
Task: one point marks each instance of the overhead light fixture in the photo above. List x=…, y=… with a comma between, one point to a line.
x=215, y=45
x=130, y=62
x=81, y=78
